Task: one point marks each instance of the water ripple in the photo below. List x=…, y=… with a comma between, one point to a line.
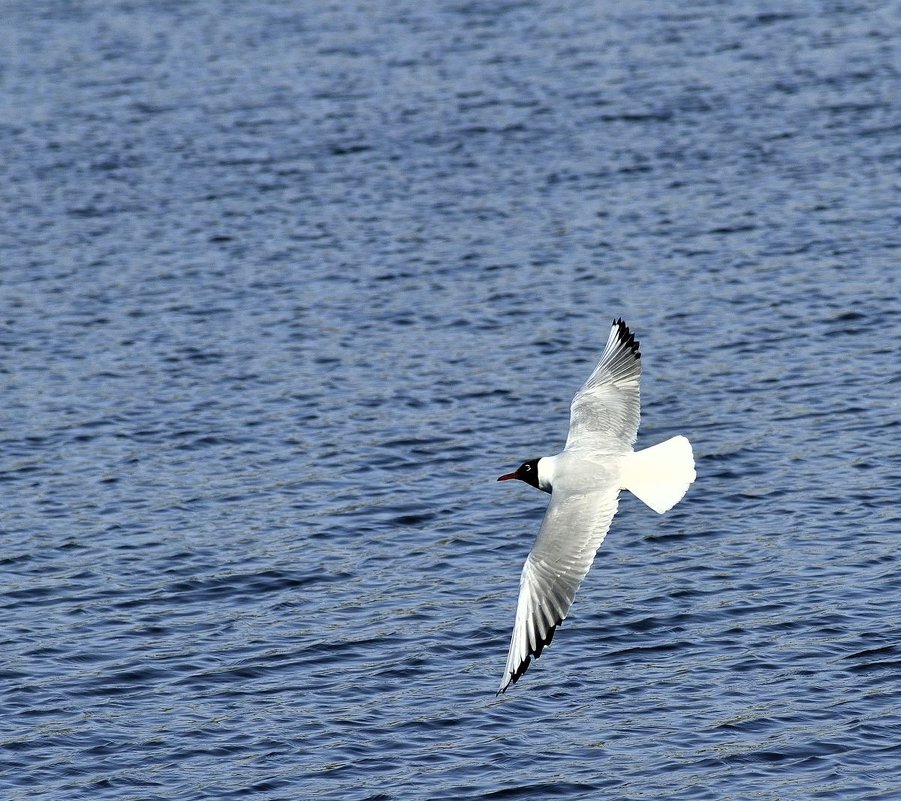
x=284, y=293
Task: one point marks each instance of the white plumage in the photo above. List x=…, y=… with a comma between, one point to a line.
x=584, y=481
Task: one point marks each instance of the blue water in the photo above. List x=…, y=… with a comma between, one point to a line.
x=283, y=289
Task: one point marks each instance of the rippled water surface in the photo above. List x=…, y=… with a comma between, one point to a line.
x=284, y=288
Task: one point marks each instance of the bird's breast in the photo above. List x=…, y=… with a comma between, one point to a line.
x=584, y=473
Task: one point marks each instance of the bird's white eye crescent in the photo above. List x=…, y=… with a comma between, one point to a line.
x=527, y=467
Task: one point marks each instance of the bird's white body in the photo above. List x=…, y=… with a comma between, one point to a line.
x=659, y=475
x=582, y=470
x=585, y=480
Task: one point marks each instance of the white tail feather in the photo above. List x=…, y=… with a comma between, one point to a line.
x=660, y=475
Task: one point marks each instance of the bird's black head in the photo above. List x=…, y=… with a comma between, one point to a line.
x=527, y=471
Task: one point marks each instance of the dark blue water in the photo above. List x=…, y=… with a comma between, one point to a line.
x=284, y=288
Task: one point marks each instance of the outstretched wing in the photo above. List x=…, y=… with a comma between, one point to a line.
x=573, y=529
x=604, y=413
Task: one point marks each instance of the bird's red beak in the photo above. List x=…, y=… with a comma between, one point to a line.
x=507, y=476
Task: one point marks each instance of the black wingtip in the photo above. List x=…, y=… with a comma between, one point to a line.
x=524, y=665
x=626, y=337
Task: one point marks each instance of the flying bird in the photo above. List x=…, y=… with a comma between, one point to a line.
x=584, y=481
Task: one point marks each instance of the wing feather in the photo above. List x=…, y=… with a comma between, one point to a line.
x=604, y=414
x=573, y=529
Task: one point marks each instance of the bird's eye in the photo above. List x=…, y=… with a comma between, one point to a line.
x=527, y=467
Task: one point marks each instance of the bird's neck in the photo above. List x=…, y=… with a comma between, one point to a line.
x=546, y=470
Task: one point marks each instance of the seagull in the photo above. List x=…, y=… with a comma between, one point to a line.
x=584, y=481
